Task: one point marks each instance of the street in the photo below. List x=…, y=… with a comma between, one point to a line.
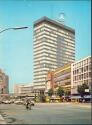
x=64, y=113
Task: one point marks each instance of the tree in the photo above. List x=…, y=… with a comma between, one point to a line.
x=60, y=92
x=42, y=98
x=81, y=89
x=2, y=91
x=50, y=92
x=67, y=93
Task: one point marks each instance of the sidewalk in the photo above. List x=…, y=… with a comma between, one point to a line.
x=2, y=121
x=86, y=105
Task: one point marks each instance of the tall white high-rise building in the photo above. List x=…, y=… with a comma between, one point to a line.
x=54, y=46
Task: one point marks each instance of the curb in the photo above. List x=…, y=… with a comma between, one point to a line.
x=2, y=121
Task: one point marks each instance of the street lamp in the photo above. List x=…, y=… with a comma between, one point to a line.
x=14, y=28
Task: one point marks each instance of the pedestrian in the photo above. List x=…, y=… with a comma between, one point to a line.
x=27, y=103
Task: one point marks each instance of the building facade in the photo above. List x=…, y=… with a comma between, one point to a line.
x=4, y=83
x=54, y=46
x=60, y=77
x=23, y=89
x=81, y=73
x=49, y=81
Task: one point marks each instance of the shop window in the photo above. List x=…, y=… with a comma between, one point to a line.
x=85, y=69
x=90, y=74
x=77, y=71
x=89, y=67
x=82, y=76
x=82, y=69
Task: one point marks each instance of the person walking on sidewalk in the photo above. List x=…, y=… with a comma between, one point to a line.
x=28, y=104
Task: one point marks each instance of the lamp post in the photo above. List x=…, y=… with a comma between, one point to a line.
x=14, y=28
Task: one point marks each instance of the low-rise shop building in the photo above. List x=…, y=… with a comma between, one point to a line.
x=81, y=72
x=60, y=77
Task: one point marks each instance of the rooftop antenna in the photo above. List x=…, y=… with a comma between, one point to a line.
x=52, y=9
x=61, y=18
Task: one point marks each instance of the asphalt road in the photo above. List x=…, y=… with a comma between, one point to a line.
x=46, y=114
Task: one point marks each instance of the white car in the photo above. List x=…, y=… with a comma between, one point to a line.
x=32, y=103
x=7, y=102
x=18, y=102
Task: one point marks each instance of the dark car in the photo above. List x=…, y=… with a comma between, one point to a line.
x=87, y=98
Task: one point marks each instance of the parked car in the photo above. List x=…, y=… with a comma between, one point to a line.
x=67, y=98
x=32, y=103
x=19, y=102
x=76, y=98
x=87, y=98
x=6, y=102
x=11, y=101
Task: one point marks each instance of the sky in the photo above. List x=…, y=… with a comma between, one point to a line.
x=16, y=47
